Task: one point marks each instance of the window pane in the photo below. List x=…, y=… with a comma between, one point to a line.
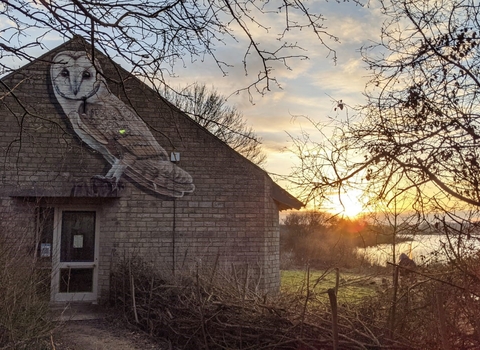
x=78, y=236
x=76, y=280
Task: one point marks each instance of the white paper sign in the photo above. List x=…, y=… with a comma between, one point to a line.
x=78, y=241
x=45, y=250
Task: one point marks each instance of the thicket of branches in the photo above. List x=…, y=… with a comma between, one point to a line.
x=434, y=308
x=417, y=135
x=212, y=310
x=152, y=37
x=24, y=291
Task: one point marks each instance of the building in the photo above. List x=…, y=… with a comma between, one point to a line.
x=95, y=165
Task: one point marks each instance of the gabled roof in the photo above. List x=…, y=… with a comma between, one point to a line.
x=283, y=199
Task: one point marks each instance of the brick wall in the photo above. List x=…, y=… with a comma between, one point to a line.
x=230, y=218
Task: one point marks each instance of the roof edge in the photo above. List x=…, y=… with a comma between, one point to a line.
x=285, y=200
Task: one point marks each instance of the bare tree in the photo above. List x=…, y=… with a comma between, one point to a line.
x=422, y=115
x=152, y=37
x=419, y=130
x=210, y=109
x=416, y=140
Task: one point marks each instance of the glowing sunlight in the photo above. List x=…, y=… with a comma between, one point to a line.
x=348, y=204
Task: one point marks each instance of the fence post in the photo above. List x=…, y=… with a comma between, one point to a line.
x=333, y=303
x=393, y=310
x=337, y=279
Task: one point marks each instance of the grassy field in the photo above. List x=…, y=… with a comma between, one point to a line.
x=352, y=286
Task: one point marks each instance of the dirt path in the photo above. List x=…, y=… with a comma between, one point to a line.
x=97, y=331
x=101, y=335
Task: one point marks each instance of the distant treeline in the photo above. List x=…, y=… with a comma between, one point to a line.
x=326, y=240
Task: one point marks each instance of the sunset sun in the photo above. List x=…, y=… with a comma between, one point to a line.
x=347, y=204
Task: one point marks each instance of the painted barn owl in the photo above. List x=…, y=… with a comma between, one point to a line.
x=112, y=128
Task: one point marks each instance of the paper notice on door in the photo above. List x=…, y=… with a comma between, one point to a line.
x=78, y=241
x=45, y=250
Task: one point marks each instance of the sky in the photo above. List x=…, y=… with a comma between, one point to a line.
x=309, y=89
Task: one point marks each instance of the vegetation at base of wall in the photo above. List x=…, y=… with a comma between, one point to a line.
x=24, y=308
x=430, y=308
x=193, y=312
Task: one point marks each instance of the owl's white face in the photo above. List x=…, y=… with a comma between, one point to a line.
x=74, y=77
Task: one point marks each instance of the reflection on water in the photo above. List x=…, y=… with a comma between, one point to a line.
x=423, y=249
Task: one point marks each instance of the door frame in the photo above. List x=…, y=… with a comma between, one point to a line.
x=55, y=294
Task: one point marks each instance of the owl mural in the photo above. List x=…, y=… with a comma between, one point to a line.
x=109, y=126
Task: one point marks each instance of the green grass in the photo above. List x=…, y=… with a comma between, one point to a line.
x=352, y=287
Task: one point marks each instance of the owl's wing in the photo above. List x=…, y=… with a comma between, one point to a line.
x=163, y=177
x=125, y=132
x=86, y=132
x=130, y=140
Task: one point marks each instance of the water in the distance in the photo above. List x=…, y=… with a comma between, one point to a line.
x=423, y=249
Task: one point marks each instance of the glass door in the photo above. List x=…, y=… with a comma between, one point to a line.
x=75, y=258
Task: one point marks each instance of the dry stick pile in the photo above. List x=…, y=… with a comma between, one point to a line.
x=197, y=314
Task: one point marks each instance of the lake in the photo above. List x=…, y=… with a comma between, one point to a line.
x=423, y=249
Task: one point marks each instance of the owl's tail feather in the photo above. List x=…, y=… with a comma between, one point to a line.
x=162, y=177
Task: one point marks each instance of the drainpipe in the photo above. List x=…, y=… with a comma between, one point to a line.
x=174, y=158
x=174, y=227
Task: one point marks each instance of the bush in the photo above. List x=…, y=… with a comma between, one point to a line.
x=24, y=308
x=436, y=308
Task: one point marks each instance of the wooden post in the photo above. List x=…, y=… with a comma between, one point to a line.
x=333, y=304
x=307, y=297
x=393, y=310
x=337, y=279
x=150, y=298
x=201, y=311
x=212, y=277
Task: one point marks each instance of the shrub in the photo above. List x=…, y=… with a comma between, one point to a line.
x=24, y=308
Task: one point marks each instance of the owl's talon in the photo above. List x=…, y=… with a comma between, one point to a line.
x=111, y=181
